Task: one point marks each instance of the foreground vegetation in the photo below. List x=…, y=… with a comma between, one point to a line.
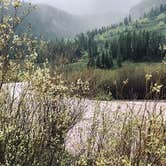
x=35, y=121
x=35, y=129
x=123, y=138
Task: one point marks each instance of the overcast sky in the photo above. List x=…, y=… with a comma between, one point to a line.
x=83, y=7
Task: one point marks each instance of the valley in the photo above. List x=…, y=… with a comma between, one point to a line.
x=82, y=83
x=52, y=23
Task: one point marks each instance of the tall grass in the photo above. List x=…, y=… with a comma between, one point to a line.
x=128, y=82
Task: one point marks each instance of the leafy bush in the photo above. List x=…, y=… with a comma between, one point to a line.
x=34, y=124
x=134, y=136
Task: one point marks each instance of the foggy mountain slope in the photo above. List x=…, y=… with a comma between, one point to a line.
x=91, y=7
x=54, y=21
x=51, y=22
x=145, y=6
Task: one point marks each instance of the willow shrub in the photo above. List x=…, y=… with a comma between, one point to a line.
x=34, y=122
x=126, y=137
x=35, y=127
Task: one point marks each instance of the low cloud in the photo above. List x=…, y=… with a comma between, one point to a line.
x=83, y=7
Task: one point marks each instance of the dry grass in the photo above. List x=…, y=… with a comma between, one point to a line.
x=128, y=82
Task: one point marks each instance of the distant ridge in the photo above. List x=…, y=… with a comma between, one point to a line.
x=53, y=23
x=145, y=6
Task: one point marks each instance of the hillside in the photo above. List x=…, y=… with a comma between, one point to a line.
x=116, y=59
x=142, y=40
x=154, y=24
x=145, y=6
x=53, y=23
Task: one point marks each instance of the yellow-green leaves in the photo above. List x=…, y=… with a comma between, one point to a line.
x=126, y=82
x=156, y=88
x=3, y=26
x=17, y=4
x=148, y=77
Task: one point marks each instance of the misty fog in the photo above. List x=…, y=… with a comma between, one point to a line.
x=86, y=7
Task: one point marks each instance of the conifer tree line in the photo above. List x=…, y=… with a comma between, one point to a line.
x=140, y=46
x=130, y=46
x=100, y=57
x=156, y=11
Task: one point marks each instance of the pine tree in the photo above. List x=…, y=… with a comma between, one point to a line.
x=91, y=62
x=106, y=61
x=126, y=22
x=111, y=63
x=113, y=48
x=106, y=45
x=119, y=57
x=161, y=8
x=130, y=19
x=98, y=61
x=103, y=59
